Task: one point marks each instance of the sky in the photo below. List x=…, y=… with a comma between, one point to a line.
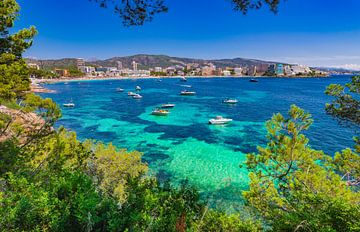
x=309, y=32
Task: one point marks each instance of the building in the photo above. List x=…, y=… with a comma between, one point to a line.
x=252, y=71
x=62, y=72
x=119, y=65
x=192, y=66
x=238, y=71
x=279, y=70
x=226, y=73
x=135, y=66
x=300, y=69
x=272, y=69
x=87, y=69
x=170, y=71
x=180, y=73
x=217, y=72
x=288, y=70
x=33, y=65
x=80, y=62
x=158, y=69
x=208, y=70
x=261, y=69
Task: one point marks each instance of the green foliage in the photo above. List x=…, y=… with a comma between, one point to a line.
x=158, y=74
x=217, y=221
x=113, y=169
x=50, y=181
x=14, y=77
x=137, y=12
x=16, y=43
x=297, y=188
x=73, y=72
x=41, y=73
x=346, y=105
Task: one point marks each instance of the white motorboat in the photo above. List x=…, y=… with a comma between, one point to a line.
x=187, y=93
x=219, y=120
x=137, y=88
x=186, y=86
x=131, y=94
x=70, y=104
x=119, y=90
x=160, y=112
x=183, y=79
x=137, y=96
x=230, y=101
x=167, y=106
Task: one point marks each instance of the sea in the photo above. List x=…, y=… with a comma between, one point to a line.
x=183, y=146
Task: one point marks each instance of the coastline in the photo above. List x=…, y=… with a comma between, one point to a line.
x=70, y=79
x=37, y=85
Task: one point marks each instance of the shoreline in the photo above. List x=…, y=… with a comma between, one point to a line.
x=71, y=79
x=37, y=85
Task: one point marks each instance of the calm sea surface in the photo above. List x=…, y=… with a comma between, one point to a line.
x=182, y=146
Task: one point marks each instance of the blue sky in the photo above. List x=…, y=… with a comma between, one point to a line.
x=311, y=32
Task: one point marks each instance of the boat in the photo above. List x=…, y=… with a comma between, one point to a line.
x=119, y=90
x=131, y=94
x=160, y=112
x=230, y=101
x=219, y=120
x=187, y=86
x=70, y=104
x=187, y=93
x=137, y=88
x=137, y=96
x=167, y=106
x=183, y=79
x=253, y=80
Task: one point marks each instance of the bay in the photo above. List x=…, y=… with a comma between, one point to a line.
x=183, y=146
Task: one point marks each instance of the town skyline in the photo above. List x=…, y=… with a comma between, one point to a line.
x=302, y=32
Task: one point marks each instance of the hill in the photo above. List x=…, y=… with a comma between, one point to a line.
x=150, y=61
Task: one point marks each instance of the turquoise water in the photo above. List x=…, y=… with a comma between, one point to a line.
x=182, y=146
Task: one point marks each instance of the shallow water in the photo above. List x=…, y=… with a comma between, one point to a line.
x=182, y=145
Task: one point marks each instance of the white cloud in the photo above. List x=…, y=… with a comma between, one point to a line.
x=355, y=67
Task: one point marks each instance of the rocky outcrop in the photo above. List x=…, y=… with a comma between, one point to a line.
x=19, y=124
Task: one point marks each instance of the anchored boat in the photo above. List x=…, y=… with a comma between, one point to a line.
x=230, y=101
x=219, y=120
x=70, y=104
x=183, y=79
x=160, y=112
x=167, y=106
x=137, y=96
x=131, y=94
x=187, y=93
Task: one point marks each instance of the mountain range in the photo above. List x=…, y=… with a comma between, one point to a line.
x=149, y=61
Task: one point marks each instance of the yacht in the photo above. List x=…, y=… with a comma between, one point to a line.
x=230, y=101
x=187, y=93
x=183, y=79
x=219, y=120
x=160, y=112
x=167, y=106
x=137, y=96
x=70, y=104
x=131, y=94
